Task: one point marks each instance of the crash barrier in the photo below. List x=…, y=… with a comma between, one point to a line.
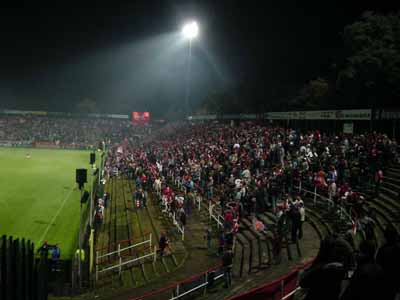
x=119, y=254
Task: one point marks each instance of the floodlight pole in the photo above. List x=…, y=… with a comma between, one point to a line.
x=188, y=78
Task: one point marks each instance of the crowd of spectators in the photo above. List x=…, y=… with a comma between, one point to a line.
x=65, y=131
x=247, y=169
x=251, y=168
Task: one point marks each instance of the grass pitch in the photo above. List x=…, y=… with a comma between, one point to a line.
x=39, y=199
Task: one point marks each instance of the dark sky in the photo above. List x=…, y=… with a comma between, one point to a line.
x=129, y=55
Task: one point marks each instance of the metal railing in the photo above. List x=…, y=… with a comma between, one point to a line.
x=119, y=252
x=178, y=290
x=326, y=200
x=171, y=214
x=217, y=217
x=180, y=227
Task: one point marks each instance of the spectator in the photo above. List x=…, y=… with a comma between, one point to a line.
x=302, y=212
x=324, y=278
x=227, y=261
x=221, y=243
x=368, y=282
x=208, y=237
x=163, y=243
x=389, y=260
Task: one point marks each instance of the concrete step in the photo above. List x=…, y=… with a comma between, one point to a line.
x=253, y=243
x=393, y=202
x=394, y=169
x=392, y=173
x=382, y=221
x=246, y=253
x=389, y=192
x=391, y=213
x=316, y=221
x=389, y=185
x=393, y=180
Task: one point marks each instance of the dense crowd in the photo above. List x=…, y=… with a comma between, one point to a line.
x=259, y=167
x=249, y=168
x=30, y=129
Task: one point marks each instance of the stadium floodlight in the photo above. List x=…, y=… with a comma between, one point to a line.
x=190, y=30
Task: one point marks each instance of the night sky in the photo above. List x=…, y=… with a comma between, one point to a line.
x=130, y=55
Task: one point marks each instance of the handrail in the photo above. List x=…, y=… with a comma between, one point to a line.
x=278, y=280
x=123, y=241
x=216, y=216
x=121, y=263
x=174, y=284
x=126, y=248
x=324, y=198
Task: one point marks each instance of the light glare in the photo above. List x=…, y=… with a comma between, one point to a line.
x=190, y=30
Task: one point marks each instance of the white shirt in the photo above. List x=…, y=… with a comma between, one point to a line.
x=246, y=173
x=302, y=211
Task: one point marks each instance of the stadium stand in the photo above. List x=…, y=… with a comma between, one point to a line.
x=248, y=182
x=63, y=131
x=173, y=159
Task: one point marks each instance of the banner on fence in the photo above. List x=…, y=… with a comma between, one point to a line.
x=383, y=114
x=62, y=114
x=202, y=117
x=351, y=114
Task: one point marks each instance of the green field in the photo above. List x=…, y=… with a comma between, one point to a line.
x=39, y=199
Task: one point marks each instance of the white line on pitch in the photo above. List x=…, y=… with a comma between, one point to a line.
x=56, y=215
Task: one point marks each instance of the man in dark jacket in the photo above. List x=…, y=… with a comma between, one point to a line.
x=367, y=282
x=227, y=261
x=295, y=220
x=389, y=259
x=324, y=278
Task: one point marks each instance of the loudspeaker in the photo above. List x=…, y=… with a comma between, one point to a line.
x=92, y=158
x=81, y=177
x=85, y=197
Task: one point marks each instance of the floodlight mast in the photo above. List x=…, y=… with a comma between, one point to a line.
x=189, y=31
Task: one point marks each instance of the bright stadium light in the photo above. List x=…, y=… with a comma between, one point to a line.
x=190, y=30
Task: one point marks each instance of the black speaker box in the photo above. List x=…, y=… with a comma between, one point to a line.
x=81, y=177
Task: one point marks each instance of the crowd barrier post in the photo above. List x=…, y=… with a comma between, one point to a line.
x=259, y=251
x=150, y=236
x=341, y=207
x=97, y=263
x=155, y=254
x=206, y=281
x=199, y=200
x=241, y=262
x=120, y=266
x=315, y=196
